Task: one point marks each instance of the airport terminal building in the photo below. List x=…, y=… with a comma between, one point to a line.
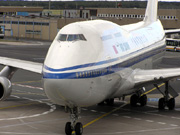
x=36, y=23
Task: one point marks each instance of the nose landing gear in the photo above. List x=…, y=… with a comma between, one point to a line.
x=73, y=126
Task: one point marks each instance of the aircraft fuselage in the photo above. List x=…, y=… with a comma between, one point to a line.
x=91, y=61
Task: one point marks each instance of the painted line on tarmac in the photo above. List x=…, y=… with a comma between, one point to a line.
x=52, y=109
x=15, y=133
x=151, y=121
x=27, y=86
x=104, y=115
x=15, y=106
x=138, y=131
x=32, y=123
x=18, y=92
x=27, y=82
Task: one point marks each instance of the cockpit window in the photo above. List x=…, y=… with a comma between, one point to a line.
x=81, y=37
x=62, y=37
x=71, y=37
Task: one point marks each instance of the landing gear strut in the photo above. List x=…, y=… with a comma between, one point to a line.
x=73, y=126
x=166, y=100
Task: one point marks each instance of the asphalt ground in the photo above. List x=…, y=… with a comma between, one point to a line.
x=29, y=112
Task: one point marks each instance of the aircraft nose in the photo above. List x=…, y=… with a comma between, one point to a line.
x=74, y=92
x=63, y=92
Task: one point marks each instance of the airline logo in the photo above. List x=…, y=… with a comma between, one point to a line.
x=115, y=49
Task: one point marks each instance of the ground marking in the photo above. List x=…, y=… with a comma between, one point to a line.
x=52, y=108
x=27, y=86
x=138, y=131
x=104, y=115
x=15, y=133
x=27, y=82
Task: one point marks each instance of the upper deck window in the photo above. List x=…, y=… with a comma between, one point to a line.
x=71, y=37
x=117, y=34
x=106, y=37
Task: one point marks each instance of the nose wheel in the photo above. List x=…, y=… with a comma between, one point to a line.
x=68, y=128
x=78, y=128
x=73, y=126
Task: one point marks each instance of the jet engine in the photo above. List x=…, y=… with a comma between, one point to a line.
x=5, y=88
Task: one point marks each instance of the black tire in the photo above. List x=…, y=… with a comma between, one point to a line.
x=134, y=100
x=79, y=128
x=161, y=104
x=171, y=104
x=68, y=129
x=143, y=100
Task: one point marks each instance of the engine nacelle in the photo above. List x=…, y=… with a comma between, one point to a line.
x=5, y=88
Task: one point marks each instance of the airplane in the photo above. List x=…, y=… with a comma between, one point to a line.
x=94, y=61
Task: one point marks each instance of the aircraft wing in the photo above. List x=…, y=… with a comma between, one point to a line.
x=144, y=77
x=172, y=31
x=22, y=64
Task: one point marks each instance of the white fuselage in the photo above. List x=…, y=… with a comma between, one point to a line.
x=87, y=71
